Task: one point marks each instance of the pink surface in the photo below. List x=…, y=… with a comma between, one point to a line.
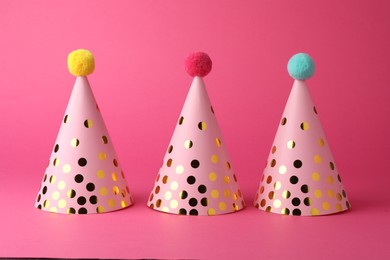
x=140, y=84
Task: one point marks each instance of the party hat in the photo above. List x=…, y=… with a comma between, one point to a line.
x=84, y=175
x=197, y=177
x=301, y=177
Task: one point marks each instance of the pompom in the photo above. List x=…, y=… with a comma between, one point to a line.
x=198, y=64
x=81, y=62
x=300, y=66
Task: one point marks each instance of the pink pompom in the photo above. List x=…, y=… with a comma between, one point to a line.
x=198, y=64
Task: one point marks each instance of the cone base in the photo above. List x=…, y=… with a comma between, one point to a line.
x=196, y=212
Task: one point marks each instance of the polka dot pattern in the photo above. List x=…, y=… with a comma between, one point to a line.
x=200, y=176
x=84, y=175
x=301, y=178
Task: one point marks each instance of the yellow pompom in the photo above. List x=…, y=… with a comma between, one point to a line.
x=81, y=62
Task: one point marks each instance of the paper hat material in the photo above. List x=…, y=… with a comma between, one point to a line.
x=84, y=175
x=197, y=177
x=301, y=177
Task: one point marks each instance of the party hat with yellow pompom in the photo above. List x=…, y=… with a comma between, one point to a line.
x=301, y=177
x=83, y=175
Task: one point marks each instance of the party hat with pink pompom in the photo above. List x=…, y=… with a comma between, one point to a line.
x=84, y=175
x=197, y=177
x=301, y=177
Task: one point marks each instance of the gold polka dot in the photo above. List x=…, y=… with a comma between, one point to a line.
x=66, y=119
x=218, y=142
x=165, y=209
x=102, y=156
x=339, y=207
x=74, y=142
x=66, y=168
x=214, y=158
x=114, y=176
x=100, y=209
x=315, y=176
x=158, y=203
x=188, y=144
x=305, y=126
x=282, y=169
x=226, y=179
x=46, y=204
x=277, y=203
x=338, y=197
x=179, y=169
x=222, y=205
x=202, y=126
x=88, y=123
x=174, y=185
x=211, y=212
x=55, y=195
x=53, y=209
x=123, y=204
x=61, y=185
x=215, y=194
x=62, y=203
x=329, y=179
x=277, y=185
x=115, y=190
x=235, y=207
x=173, y=204
x=169, y=162
x=330, y=193
x=111, y=203
x=321, y=142
x=273, y=150
x=212, y=176
x=168, y=195
x=234, y=196
x=314, y=212
x=104, y=139
x=325, y=205
x=286, y=194
x=56, y=161
x=52, y=179
x=317, y=158
x=268, y=209
x=103, y=191
x=290, y=144
x=71, y=194
x=226, y=193
x=318, y=194
x=100, y=174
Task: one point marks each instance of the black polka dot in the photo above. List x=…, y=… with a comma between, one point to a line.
x=297, y=164
x=90, y=186
x=305, y=188
x=286, y=211
x=191, y=180
x=183, y=195
x=83, y=211
x=194, y=212
x=82, y=162
x=193, y=202
x=182, y=212
x=71, y=211
x=338, y=177
x=294, y=179
x=296, y=212
x=39, y=198
x=56, y=148
x=39, y=206
x=81, y=200
x=204, y=202
x=72, y=194
x=195, y=164
x=44, y=190
x=93, y=199
x=79, y=178
x=296, y=201
x=307, y=201
x=202, y=189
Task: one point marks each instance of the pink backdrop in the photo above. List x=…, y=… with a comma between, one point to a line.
x=140, y=85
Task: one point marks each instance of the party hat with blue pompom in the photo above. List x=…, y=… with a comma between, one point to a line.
x=301, y=177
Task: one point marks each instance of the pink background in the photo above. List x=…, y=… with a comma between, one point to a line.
x=140, y=85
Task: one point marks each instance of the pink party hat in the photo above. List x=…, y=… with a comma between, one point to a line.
x=197, y=177
x=301, y=177
x=84, y=175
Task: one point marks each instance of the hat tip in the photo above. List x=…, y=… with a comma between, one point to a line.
x=301, y=66
x=198, y=64
x=81, y=62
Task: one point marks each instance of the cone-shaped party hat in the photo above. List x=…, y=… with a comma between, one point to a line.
x=301, y=177
x=196, y=177
x=84, y=175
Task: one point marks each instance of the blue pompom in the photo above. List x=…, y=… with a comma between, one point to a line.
x=300, y=66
